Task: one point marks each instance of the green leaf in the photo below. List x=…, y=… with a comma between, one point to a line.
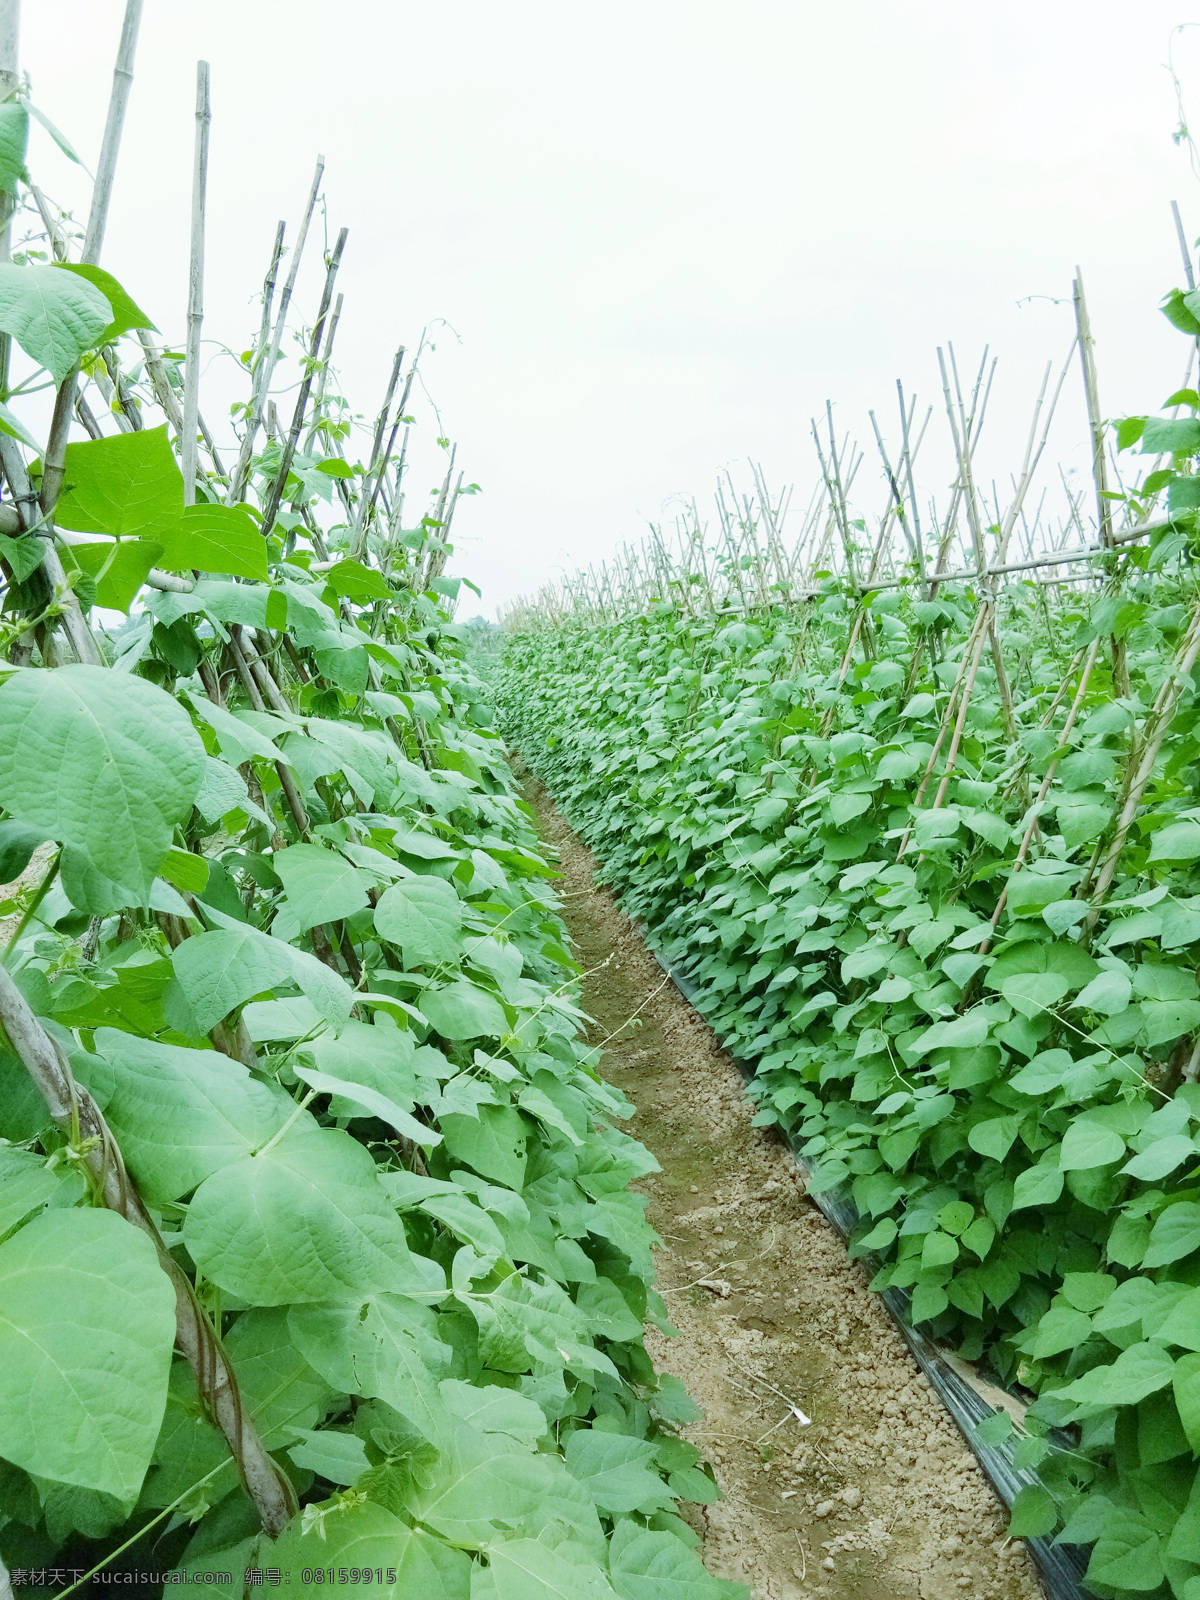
x=939, y=1250
x=1029, y=892
x=1037, y=1186
x=103, y=762
x=1032, y=993
x=928, y=1301
x=493, y=1145
x=1164, y=1020
x=14, y=141
x=27, y=1184
x=464, y=1011
x=1161, y=1158
x=24, y=555
x=126, y=315
x=54, y=316
x=1170, y=435
x=616, y=1470
x=365, y=1537
x=213, y=539
x=1175, y=1235
x=371, y=1102
x=645, y=1565
x=307, y=1220
x=1186, y=1380
x=320, y=886
x=87, y=1324
x=127, y=485
x=1089, y=1144
x=495, y=1410
x=1109, y=994
x=1127, y=1554
x=1177, y=844
x=993, y=1138
x=1062, y=1328
x=1129, y=431
x=1034, y=1513
x=524, y=1569
x=17, y=844
x=424, y=917
x=334, y=1455
x=179, y=1115
x=1141, y=1370
x=217, y=971
x=356, y=582
x=117, y=569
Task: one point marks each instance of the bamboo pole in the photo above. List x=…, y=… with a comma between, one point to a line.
x=276, y=491
x=265, y=360
x=195, y=311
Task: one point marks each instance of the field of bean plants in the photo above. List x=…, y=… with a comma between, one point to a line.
x=915, y=819
x=317, y=1251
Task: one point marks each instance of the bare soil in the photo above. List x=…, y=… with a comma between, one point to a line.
x=878, y=1498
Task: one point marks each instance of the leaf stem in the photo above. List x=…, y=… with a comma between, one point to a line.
x=39, y=896
x=145, y=1528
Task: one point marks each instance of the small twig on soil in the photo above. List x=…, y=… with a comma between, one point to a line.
x=793, y=1412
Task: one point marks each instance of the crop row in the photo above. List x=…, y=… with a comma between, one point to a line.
x=945, y=899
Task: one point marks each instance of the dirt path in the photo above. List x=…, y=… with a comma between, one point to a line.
x=879, y=1499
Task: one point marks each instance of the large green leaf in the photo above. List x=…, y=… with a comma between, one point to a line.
x=1141, y=1370
x=524, y=1569
x=27, y=1184
x=616, y=1471
x=179, y=1115
x=218, y=971
x=463, y=1010
x=306, y=1220
x=1089, y=1144
x=103, y=762
x=1127, y=1554
x=364, y=1537
x=1032, y=993
x=213, y=539
x=385, y=1348
x=424, y=917
x=1108, y=993
x=493, y=1143
x=117, y=568
x=645, y=1565
x=484, y=1479
x=126, y=485
x=87, y=1322
x=319, y=885
x=126, y=313
x=54, y=316
x=17, y=844
x=355, y=1099
x=1177, y=843
x=1175, y=1235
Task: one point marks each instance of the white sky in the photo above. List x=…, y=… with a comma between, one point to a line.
x=665, y=231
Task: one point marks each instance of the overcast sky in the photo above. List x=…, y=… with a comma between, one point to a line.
x=661, y=232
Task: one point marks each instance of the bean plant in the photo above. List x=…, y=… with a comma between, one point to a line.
x=317, y=1247
x=944, y=898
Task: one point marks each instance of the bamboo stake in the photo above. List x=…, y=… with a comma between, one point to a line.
x=77, y=1114
x=1155, y=733
x=1044, y=790
x=289, y=450
x=195, y=311
x=265, y=361
x=326, y=353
